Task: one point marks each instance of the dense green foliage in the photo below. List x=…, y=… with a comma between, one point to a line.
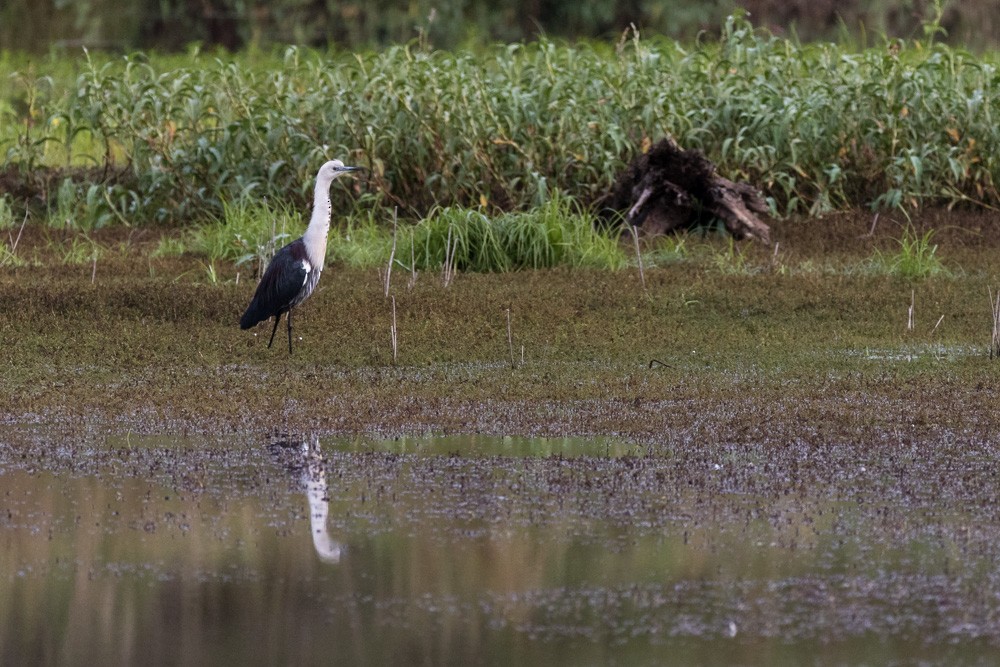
x=817, y=127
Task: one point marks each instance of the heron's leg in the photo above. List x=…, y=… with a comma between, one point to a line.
x=277, y=318
x=288, y=321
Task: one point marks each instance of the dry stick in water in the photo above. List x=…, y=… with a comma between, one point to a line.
x=510, y=343
x=413, y=269
x=392, y=331
x=909, y=313
x=995, y=307
x=13, y=241
x=448, y=258
x=451, y=259
x=871, y=232
x=268, y=250
x=392, y=254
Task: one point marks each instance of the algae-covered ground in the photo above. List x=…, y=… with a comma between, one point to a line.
x=813, y=341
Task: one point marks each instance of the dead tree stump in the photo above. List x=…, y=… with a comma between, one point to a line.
x=669, y=188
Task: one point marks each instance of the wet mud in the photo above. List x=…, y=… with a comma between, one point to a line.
x=806, y=342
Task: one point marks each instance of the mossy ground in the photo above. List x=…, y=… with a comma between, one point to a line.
x=805, y=344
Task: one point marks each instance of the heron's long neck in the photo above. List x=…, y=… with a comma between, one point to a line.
x=319, y=226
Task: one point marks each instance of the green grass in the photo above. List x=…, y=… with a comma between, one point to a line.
x=8, y=219
x=554, y=234
x=730, y=260
x=558, y=233
x=79, y=249
x=168, y=246
x=916, y=257
x=818, y=127
x=362, y=242
x=250, y=232
x=667, y=250
x=8, y=254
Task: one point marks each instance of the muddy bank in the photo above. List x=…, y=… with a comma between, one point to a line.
x=807, y=343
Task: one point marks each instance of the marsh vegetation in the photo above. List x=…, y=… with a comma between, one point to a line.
x=139, y=140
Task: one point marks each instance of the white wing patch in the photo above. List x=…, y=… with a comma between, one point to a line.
x=308, y=267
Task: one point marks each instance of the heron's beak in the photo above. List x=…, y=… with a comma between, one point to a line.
x=345, y=168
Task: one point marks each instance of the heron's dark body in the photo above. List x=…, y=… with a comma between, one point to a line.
x=289, y=279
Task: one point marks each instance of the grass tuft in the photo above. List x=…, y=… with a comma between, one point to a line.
x=169, y=246
x=361, y=242
x=556, y=233
x=916, y=257
x=250, y=232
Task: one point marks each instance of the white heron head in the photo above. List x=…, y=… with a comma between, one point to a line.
x=333, y=169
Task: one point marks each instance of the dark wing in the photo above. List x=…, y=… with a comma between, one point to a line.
x=281, y=283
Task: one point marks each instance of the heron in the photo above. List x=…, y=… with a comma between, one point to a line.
x=293, y=272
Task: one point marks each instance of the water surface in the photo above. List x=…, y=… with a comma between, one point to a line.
x=493, y=550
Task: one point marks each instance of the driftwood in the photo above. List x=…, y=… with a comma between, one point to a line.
x=668, y=188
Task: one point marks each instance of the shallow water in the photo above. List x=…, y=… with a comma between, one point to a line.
x=918, y=353
x=485, y=445
x=497, y=550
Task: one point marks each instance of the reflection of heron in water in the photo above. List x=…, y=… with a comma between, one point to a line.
x=305, y=459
